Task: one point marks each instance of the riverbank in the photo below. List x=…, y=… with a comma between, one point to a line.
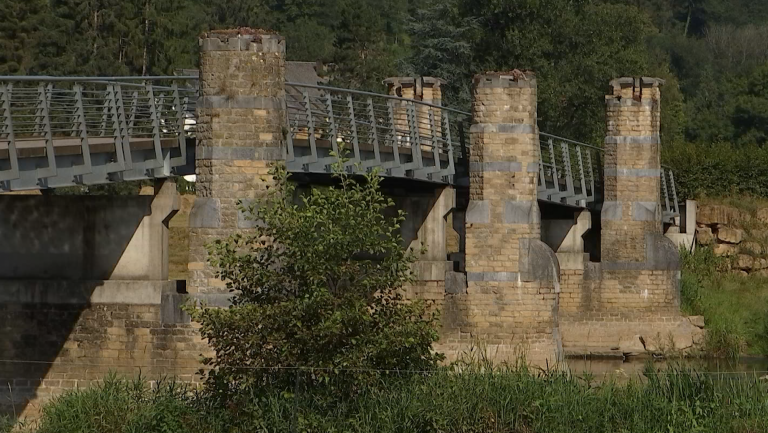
x=734, y=306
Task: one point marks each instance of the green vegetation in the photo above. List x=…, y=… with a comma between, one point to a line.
x=713, y=54
x=734, y=306
x=318, y=285
x=719, y=170
x=479, y=399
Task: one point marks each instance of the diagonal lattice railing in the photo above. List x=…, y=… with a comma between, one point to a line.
x=63, y=131
x=410, y=138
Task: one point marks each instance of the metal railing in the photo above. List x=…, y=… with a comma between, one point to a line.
x=570, y=171
x=63, y=131
x=402, y=137
x=669, y=204
x=411, y=138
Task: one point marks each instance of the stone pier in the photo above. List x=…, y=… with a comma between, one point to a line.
x=629, y=303
x=241, y=122
x=510, y=305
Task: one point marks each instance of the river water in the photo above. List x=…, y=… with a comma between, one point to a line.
x=621, y=370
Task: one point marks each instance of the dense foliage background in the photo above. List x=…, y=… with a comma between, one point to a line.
x=713, y=53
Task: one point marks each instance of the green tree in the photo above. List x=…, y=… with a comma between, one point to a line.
x=20, y=32
x=441, y=47
x=317, y=285
x=574, y=46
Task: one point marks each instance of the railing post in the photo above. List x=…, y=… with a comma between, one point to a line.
x=591, y=169
x=121, y=125
x=555, y=176
x=155, y=119
x=353, y=130
x=451, y=169
x=568, y=170
x=582, y=176
x=13, y=157
x=44, y=108
x=310, y=127
x=664, y=192
x=132, y=110
x=434, y=142
x=415, y=142
x=676, y=208
x=333, y=129
x=374, y=135
x=82, y=129
x=106, y=112
x=180, y=109
x=395, y=166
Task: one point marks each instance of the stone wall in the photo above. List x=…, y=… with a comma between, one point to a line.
x=56, y=336
x=738, y=234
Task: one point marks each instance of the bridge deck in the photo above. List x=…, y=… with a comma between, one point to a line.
x=65, y=131
x=37, y=147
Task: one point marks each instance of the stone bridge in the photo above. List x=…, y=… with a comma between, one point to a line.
x=536, y=245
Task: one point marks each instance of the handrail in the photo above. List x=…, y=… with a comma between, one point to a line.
x=405, y=137
x=578, y=143
x=378, y=95
x=47, y=78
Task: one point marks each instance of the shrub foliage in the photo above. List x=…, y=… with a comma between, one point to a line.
x=317, y=290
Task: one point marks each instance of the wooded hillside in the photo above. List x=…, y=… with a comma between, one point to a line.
x=713, y=54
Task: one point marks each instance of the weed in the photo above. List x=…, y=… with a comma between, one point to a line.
x=481, y=398
x=734, y=307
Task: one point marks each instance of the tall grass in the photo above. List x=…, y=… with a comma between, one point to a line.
x=477, y=399
x=734, y=307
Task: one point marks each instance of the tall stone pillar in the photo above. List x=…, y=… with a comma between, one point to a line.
x=639, y=264
x=629, y=303
x=512, y=276
x=632, y=169
x=240, y=133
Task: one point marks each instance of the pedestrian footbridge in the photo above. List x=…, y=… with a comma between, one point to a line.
x=65, y=131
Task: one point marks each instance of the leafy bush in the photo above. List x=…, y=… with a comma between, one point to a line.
x=317, y=290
